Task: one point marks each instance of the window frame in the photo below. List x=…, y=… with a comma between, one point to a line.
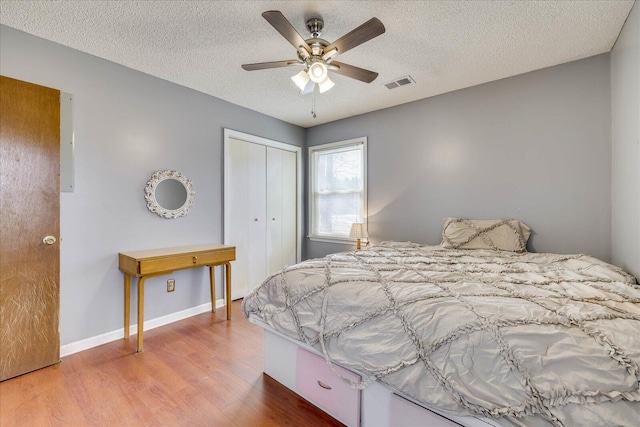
x=360, y=141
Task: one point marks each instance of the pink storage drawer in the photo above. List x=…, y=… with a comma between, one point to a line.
x=320, y=386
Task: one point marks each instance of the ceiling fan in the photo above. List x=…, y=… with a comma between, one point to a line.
x=317, y=55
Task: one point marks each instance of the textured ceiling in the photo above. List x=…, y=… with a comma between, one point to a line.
x=443, y=45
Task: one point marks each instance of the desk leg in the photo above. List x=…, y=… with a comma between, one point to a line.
x=127, y=304
x=140, y=312
x=212, y=283
x=227, y=269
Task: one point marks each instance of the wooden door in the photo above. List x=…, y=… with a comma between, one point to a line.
x=29, y=211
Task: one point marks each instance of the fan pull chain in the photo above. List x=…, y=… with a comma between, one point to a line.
x=313, y=102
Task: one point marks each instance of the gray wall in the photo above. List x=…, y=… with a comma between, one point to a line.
x=128, y=125
x=625, y=131
x=536, y=147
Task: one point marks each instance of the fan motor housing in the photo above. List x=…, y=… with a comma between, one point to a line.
x=317, y=49
x=315, y=26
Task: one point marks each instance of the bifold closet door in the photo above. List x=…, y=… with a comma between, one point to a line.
x=247, y=214
x=281, y=209
x=261, y=211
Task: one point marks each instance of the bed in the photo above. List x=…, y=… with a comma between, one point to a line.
x=505, y=336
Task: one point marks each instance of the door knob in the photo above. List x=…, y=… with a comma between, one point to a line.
x=49, y=240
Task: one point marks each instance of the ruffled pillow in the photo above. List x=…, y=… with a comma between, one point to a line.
x=500, y=234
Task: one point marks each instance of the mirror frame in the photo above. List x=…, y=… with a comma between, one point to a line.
x=150, y=194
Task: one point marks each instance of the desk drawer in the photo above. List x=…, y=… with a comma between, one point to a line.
x=319, y=385
x=178, y=262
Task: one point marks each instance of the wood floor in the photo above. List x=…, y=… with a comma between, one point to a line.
x=201, y=371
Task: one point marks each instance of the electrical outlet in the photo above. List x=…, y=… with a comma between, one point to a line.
x=171, y=285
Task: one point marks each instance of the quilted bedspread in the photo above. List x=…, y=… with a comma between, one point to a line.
x=530, y=339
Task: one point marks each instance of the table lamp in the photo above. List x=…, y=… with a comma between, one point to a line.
x=358, y=231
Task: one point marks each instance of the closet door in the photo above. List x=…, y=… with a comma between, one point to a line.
x=261, y=208
x=289, y=215
x=246, y=214
x=274, y=210
x=281, y=209
x=257, y=223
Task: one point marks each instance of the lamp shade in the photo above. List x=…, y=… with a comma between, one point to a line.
x=325, y=85
x=317, y=72
x=309, y=88
x=301, y=79
x=358, y=231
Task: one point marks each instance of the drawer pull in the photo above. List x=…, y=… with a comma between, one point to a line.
x=323, y=385
x=195, y=259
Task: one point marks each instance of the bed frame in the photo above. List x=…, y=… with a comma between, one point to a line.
x=375, y=405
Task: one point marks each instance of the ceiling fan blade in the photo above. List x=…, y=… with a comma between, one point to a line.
x=284, y=27
x=266, y=65
x=354, y=72
x=365, y=32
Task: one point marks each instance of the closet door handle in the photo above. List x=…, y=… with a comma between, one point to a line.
x=273, y=219
x=255, y=219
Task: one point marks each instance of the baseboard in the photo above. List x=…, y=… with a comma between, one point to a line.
x=75, y=347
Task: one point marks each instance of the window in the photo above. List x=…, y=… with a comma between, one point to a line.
x=338, y=188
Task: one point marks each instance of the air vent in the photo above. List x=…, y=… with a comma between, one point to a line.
x=402, y=81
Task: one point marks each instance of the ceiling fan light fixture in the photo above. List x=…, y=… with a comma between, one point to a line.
x=325, y=85
x=301, y=79
x=317, y=72
x=317, y=55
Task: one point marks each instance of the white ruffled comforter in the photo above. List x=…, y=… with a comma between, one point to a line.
x=531, y=339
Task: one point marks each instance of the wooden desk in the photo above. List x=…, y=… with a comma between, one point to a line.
x=158, y=262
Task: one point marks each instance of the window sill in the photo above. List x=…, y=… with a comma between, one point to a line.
x=337, y=240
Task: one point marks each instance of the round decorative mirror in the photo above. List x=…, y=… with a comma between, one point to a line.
x=169, y=194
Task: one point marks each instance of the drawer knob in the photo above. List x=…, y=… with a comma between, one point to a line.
x=323, y=385
x=195, y=259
